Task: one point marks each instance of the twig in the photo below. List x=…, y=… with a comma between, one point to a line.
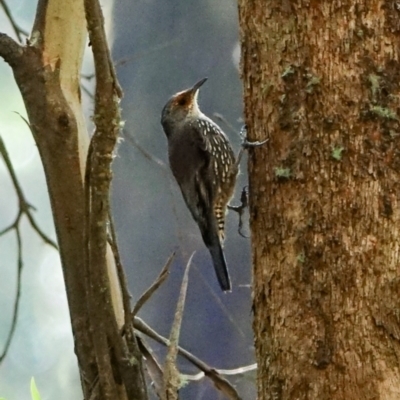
x=152, y=365
x=148, y=51
x=87, y=91
x=88, y=77
x=211, y=373
x=154, y=286
x=17, y=296
x=172, y=379
x=24, y=206
x=24, y=209
x=17, y=29
x=131, y=340
x=121, y=272
x=132, y=140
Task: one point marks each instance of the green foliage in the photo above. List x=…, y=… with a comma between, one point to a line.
x=281, y=172
x=34, y=391
x=374, y=80
x=384, y=112
x=337, y=153
x=288, y=71
x=301, y=258
x=312, y=82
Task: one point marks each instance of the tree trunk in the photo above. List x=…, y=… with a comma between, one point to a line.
x=47, y=71
x=321, y=81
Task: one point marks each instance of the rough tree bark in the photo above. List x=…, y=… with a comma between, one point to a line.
x=47, y=71
x=321, y=80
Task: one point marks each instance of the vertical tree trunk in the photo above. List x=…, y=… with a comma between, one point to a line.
x=321, y=80
x=47, y=71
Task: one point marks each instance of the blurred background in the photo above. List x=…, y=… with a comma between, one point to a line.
x=159, y=48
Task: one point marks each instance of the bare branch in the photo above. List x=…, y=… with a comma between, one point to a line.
x=87, y=91
x=17, y=296
x=153, y=367
x=213, y=374
x=133, y=141
x=154, y=286
x=171, y=374
x=24, y=206
x=106, y=333
x=126, y=297
x=148, y=51
x=17, y=29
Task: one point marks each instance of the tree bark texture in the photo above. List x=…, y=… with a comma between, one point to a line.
x=47, y=73
x=321, y=81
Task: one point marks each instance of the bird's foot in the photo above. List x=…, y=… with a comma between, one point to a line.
x=246, y=144
x=244, y=203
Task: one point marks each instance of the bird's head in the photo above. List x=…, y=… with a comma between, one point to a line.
x=182, y=105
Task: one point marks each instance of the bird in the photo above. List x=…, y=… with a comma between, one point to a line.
x=203, y=163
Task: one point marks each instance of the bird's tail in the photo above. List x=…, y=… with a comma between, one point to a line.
x=220, y=266
x=209, y=232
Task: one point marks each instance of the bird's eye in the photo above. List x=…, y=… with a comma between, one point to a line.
x=182, y=101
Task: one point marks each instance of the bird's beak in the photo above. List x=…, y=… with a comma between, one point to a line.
x=197, y=85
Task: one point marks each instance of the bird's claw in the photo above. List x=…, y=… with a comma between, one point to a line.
x=246, y=144
x=244, y=200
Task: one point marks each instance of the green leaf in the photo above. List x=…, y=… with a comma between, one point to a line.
x=34, y=391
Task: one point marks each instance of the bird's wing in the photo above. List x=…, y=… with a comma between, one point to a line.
x=213, y=141
x=198, y=181
x=192, y=166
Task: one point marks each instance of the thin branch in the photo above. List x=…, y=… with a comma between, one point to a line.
x=130, y=138
x=17, y=29
x=24, y=206
x=148, y=51
x=153, y=367
x=17, y=296
x=105, y=331
x=154, y=286
x=211, y=373
x=126, y=297
x=87, y=91
x=172, y=380
x=131, y=342
x=232, y=372
x=88, y=77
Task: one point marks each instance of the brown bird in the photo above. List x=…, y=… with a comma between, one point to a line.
x=203, y=163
